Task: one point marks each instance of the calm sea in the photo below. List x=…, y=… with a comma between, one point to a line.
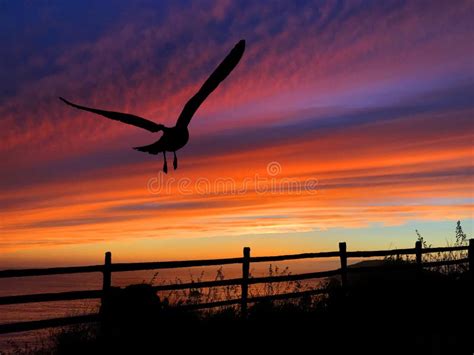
x=93, y=281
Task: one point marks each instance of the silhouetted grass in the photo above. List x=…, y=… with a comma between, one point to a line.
x=398, y=312
x=382, y=312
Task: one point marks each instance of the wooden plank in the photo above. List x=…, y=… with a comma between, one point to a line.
x=443, y=249
x=51, y=271
x=245, y=278
x=202, y=284
x=375, y=253
x=412, y=251
x=259, y=259
x=47, y=323
x=51, y=297
x=343, y=257
x=107, y=274
x=419, y=255
x=106, y=283
x=471, y=258
x=120, y=267
x=305, y=276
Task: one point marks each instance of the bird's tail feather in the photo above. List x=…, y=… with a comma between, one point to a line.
x=151, y=149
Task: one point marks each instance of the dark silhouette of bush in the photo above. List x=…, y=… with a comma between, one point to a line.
x=381, y=312
x=389, y=312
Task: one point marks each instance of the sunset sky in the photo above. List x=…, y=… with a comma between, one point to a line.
x=370, y=104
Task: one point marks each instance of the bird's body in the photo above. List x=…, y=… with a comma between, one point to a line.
x=175, y=138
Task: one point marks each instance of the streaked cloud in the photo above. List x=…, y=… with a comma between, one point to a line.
x=374, y=100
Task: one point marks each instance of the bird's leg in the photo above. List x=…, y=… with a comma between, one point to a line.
x=175, y=161
x=165, y=164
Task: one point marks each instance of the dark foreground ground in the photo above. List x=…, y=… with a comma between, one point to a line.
x=382, y=313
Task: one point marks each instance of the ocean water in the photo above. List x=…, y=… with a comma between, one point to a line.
x=93, y=281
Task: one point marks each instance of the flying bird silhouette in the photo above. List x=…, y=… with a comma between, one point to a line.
x=176, y=137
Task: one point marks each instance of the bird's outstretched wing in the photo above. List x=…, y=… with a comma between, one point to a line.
x=219, y=74
x=122, y=117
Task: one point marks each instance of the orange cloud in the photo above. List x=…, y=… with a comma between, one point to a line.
x=383, y=126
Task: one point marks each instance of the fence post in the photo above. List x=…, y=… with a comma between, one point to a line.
x=245, y=278
x=418, y=247
x=470, y=255
x=106, y=281
x=343, y=256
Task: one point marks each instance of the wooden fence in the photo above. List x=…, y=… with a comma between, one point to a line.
x=108, y=268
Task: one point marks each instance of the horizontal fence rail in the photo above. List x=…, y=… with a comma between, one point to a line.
x=444, y=249
x=375, y=253
x=108, y=268
x=297, y=277
x=328, y=254
x=51, y=271
x=172, y=264
x=201, y=284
